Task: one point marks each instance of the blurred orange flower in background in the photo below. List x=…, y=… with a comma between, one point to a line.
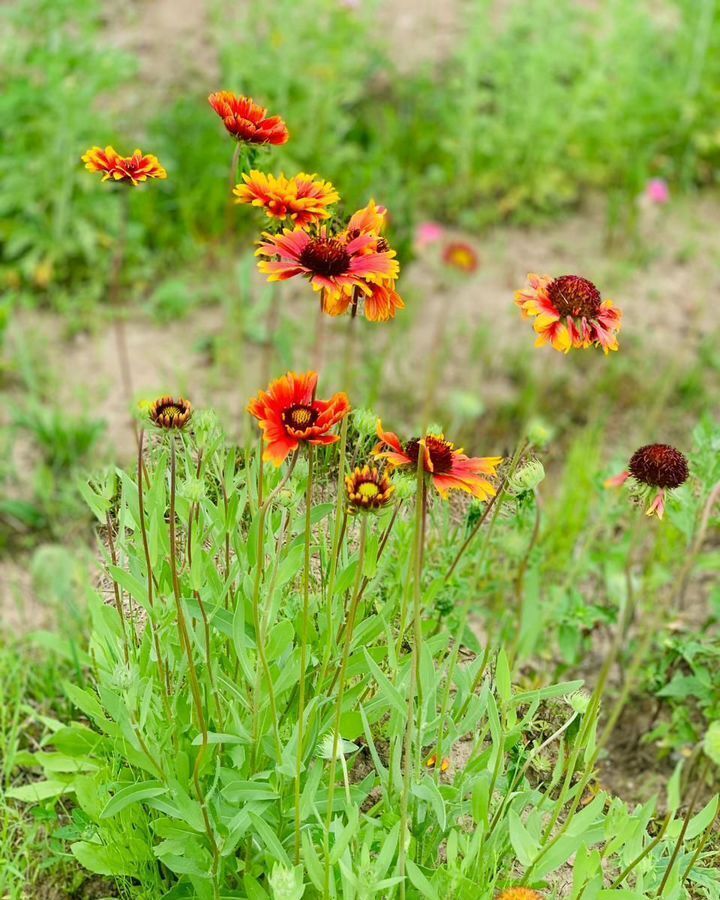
x=246, y=121
x=290, y=415
x=569, y=313
x=449, y=468
x=304, y=198
x=132, y=169
x=461, y=256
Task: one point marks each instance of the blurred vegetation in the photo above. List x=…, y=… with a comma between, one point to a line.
x=536, y=106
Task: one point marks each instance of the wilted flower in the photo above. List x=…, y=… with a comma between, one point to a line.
x=304, y=198
x=246, y=121
x=129, y=169
x=657, y=191
x=449, y=468
x=656, y=469
x=170, y=412
x=569, y=313
x=290, y=415
x=368, y=489
x=461, y=256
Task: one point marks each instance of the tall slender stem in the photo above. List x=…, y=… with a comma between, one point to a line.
x=692, y=801
x=194, y=683
x=303, y=648
x=415, y=685
x=341, y=692
x=116, y=588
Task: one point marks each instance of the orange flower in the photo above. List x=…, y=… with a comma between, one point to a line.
x=303, y=198
x=379, y=305
x=289, y=415
x=655, y=469
x=519, y=893
x=449, y=468
x=334, y=263
x=368, y=489
x=432, y=763
x=569, y=313
x=132, y=169
x=459, y=255
x=246, y=121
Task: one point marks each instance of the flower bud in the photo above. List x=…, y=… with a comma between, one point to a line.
x=527, y=477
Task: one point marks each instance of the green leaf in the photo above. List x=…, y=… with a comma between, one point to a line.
x=133, y=793
x=524, y=845
x=37, y=791
x=388, y=691
x=102, y=860
x=420, y=882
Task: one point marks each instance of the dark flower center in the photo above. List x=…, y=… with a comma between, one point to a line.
x=300, y=417
x=441, y=452
x=325, y=256
x=659, y=465
x=574, y=296
x=171, y=411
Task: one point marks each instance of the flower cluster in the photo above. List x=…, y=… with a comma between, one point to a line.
x=129, y=169
x=569, y=313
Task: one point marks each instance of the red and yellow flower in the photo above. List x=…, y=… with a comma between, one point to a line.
x=519, y=893
x=569, y=313
x=333, y=262
x=304, y=198
x=449, y=468
x=655, y=469
x=290, y=415
x=379, y=305
x=246, y=121
x=368, y=488
x=131, y=169
x=461, y=256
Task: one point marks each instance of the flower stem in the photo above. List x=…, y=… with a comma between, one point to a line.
x=692, y=801
x=341, y=691
x=192, y=673
x=303, y=648
x=415, y=686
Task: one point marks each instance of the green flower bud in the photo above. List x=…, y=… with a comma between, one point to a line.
x=365, y=421
x=527, y=477
x=539, y=433
x=579, y=701
x=405, y=485
x=286, y=884
x=193, y=489
x=711, y=744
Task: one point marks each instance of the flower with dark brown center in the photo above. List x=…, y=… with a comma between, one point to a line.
x=656, y=469
x=290, y=415
x=449, y=468
x=437, y=448
x=569, y=313
x=326, y=256
x=170, y=412
x=574, y=296
x=659, y=466
x=368, y=488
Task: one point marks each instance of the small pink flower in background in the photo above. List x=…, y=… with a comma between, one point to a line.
x=350, y=4
x=428, y=233
x=657, y=191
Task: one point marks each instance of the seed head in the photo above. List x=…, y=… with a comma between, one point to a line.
x=659, y=466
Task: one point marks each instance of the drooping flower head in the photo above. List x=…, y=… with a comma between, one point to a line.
x=461, y=256
x=289, y=415
x=170, y=412
x=130, y=169
x=246, y=121
x=655, y=469
x=368, y=488
x=519, y=893
x=449, y=468
x=304, y=199
x=569, y=312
